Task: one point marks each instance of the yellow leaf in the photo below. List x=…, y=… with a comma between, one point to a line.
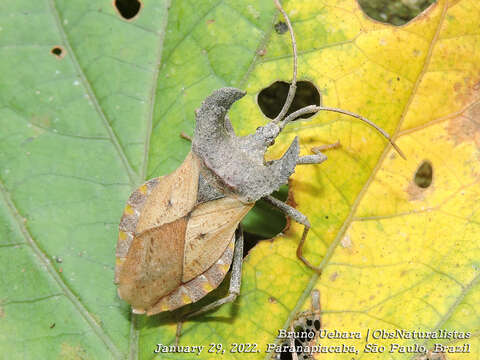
x=395, y=256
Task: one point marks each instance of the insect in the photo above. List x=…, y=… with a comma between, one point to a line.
x=180, y=233
x=304, y=330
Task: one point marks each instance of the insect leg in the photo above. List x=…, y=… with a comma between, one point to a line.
x=311, y=159
x=184, y=135
x=318, y=149
x=234, y=288
x=301, y=219
x=319, y=157
x=235, y=278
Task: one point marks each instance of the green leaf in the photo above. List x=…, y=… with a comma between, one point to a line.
x=74, y=136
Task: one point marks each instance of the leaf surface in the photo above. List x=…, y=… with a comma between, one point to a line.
x=80, y=132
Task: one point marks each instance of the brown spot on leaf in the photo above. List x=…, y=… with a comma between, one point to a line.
x=210, y=21
x=58, y=51
x=262, y=52
x=414, y=192
x=468, y=90
x=466, y=127
x=334, y=276
x=272, y=300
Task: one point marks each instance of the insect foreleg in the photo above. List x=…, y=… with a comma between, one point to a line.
x=311, y=159
x=183, y=135
x=319, y=157
x=301, y=219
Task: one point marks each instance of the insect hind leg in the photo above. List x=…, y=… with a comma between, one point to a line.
x=234, y=288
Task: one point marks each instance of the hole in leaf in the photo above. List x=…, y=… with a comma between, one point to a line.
x=395, y=12
x=424, y=175
x=281, y=27
x=128, y=9
x=58, y=51
x=272, y=98
x=264, y=221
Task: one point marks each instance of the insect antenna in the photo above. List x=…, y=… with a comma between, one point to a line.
x=313, y=109
x=293, y=84
x=281, y=120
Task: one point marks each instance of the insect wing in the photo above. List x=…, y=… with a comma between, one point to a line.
x=174, y=197
x=209, y=231
x=152, y=236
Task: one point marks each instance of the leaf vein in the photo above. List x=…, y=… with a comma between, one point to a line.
x=112, y=135
x=90, y=320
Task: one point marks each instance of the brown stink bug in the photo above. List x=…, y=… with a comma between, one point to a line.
x=180, y=233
